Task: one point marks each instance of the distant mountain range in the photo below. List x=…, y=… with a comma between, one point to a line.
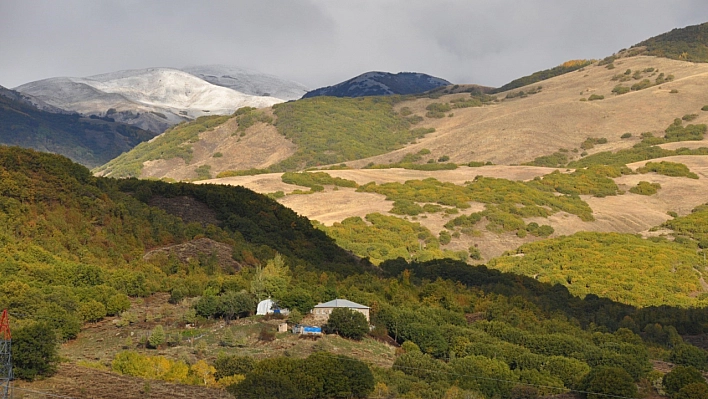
x=157, y=98
x=31, y=123
x=248, y=82
x=381, y=84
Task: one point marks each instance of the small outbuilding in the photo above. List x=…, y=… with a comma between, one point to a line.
x=323, y=310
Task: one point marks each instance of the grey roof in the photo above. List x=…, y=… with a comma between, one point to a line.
x=341, y=303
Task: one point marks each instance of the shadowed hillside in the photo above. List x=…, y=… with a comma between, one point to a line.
x=89, y=141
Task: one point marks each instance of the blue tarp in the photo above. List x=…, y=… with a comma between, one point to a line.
x=311, y=330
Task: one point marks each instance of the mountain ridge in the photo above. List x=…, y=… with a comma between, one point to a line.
x=377, y=83
x=248, y=81
x=89, y=141
x=151, y=98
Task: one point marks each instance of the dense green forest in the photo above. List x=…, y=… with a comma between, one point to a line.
x=568, y=66
x=622, y=267
x=89, y=141
x=685, y=44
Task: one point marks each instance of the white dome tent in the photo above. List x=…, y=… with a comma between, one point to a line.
x=265, y=307
x=268, y=306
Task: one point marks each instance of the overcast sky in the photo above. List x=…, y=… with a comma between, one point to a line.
x=323, y=42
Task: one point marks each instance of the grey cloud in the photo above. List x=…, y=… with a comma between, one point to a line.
x=322, y=42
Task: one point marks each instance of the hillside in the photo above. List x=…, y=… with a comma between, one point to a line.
x=291, y=136
x=89, y=141
x=381, y=84
x=131, y=274
x=248, y=82
x=65, y=231
x=687, y=44
x=153, y=99
x=551, y=124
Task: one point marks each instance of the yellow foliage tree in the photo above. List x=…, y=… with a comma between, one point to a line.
x=204, y=372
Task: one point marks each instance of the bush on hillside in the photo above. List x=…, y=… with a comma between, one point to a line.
x=645, y=188
x=347, y=323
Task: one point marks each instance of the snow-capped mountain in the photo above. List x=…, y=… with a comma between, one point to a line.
x=248, y=81
x=381, y=84
x=153, y=99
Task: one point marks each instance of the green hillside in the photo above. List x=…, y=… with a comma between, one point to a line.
x=566, y=67
x=88, y=141
x=685, y=44
x=69, y=235
x=622, y=267
x=173, y=143
x=326, y=130
x=73, y=247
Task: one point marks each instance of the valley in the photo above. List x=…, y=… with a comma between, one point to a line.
x=391, y=236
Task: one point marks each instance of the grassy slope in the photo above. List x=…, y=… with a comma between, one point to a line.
x=324, y=130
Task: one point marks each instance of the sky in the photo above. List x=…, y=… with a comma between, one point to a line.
x=323, y=42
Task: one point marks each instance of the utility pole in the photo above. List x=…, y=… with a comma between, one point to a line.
x=5, y=357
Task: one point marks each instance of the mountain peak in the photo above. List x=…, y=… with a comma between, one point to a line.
x=376, y=83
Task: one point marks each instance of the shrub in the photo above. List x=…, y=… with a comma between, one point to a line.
x=347, y=323
x=609, y=381
x=626, y=135
x=689, y=117
x=444, y=158
x=34, y=351
x=694, y=390
x=439, y=107
x=203, y=172
x=645, y=188
x=645, y=83
x=474, y=253
x=689, y=355
x=666, y=168
x=594, y=97
x=157, y=336
x=673, y=91
x=679, y=377
x=704, y=108
x=217, y=155
x=619, y=89
x=267, y=334
x=231, y=365
x=445, y=237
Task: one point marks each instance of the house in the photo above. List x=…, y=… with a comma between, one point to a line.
x=323, y=310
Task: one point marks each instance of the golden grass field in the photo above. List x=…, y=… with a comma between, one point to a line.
x=507, y=133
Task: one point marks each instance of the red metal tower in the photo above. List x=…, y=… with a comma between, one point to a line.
x=5, y=356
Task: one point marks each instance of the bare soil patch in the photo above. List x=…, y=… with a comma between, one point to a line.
x=193, y=250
